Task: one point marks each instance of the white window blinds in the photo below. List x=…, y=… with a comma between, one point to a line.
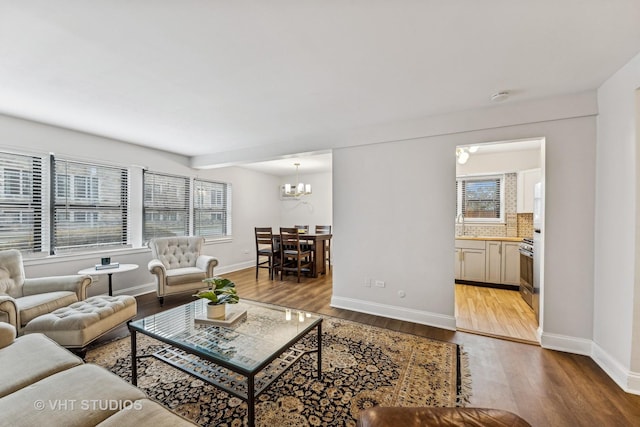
x=90, y=206
x=211, y=208
x=480, y=198
x=22, y=191
x=166, y=205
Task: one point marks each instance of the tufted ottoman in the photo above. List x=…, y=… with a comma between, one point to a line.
x=78, y=324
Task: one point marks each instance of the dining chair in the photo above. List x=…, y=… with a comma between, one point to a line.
x=325, y=229
x=265, y=249
x=292, y=256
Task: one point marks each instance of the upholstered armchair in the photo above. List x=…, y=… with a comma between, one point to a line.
x=22, y=299
x=178, y=265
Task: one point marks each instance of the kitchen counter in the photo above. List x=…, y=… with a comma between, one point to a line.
x=497, y=239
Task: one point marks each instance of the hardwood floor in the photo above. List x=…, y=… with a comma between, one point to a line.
x=495, y=312
x=545, y=387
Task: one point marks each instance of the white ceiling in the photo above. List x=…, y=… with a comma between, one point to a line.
x=200, y=77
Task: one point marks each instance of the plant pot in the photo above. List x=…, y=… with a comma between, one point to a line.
x=216, y=311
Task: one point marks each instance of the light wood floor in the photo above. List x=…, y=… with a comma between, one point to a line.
x=495, y=312
x=545, y=387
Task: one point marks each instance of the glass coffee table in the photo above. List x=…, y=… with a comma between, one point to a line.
x=242, y=358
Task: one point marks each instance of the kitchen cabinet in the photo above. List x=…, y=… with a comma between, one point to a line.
x=502, y=262
x=526, y=181
x=511, y=263
x=493, y=262
x=470, y=260
x=488, y=261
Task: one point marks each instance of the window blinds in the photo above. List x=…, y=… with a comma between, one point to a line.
x=22, y=191
x=480, y=197
x=211, y=208
x=166, y=205
x=90, y=205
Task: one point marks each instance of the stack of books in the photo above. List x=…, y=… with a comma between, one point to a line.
x=105, y=266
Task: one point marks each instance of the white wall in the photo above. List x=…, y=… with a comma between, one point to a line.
x=254, y=203
x=418, y=257
x=617, y=259
x=313, y=209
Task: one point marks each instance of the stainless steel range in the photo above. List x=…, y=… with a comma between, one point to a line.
x=526, y=271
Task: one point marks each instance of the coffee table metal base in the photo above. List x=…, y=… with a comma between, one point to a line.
x=245, y=386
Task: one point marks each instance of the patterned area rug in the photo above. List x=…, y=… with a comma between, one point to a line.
x=362, y=366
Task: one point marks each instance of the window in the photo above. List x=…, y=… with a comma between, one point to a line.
x=89, y=206
x=166, y=205
x=480, y=198
x=211, y=208
x=21, y=204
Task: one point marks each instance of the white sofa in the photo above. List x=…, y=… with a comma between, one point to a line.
x=42, y=384
x=179, y=265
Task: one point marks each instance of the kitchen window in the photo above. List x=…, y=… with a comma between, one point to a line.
x=480, y=198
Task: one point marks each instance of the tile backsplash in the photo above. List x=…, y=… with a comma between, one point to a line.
x=516, y=225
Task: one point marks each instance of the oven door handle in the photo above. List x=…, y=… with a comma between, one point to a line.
x=525, y=253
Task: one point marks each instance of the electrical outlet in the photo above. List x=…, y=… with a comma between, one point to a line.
x=246, y=251
x=379, y=283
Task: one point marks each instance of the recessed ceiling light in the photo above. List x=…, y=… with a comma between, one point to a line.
x=500, y=96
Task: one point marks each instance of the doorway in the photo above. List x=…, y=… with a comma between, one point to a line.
x=495, y=189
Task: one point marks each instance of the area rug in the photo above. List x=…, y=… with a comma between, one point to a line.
x=363, y=366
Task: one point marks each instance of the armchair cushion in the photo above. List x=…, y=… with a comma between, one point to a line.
x=178, y=276
x=36, y=305
x=7, y=335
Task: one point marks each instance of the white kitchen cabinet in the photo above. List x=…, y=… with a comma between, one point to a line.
x=510, y=263
x=493, y=261
x=526, y=181
x=502, y=262
x=470, y=260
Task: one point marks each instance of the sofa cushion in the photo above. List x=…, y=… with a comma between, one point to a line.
x=145, y=412
x=81, y=396
x=31, y=358
x=33, y=306
x=178, y=276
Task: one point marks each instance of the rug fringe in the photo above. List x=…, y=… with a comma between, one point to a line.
x=464, y=392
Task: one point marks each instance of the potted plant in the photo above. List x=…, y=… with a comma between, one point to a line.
x=221, y=292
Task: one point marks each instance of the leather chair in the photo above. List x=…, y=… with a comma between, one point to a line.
x=22, y=299
x=179, y=265
x=379, y=416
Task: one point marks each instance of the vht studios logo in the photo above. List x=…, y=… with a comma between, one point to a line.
x=87, y=405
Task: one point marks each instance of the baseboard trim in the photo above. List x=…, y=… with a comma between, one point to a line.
x=234, y=267
x=394, y=312
x=566, y=343
x=628, y=381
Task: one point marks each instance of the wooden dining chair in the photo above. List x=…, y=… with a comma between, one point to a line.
x=292, y=256
x=265, y=249
x=325, y=229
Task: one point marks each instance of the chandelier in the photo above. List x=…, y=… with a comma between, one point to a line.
x=462, y=153
x=298, y=189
